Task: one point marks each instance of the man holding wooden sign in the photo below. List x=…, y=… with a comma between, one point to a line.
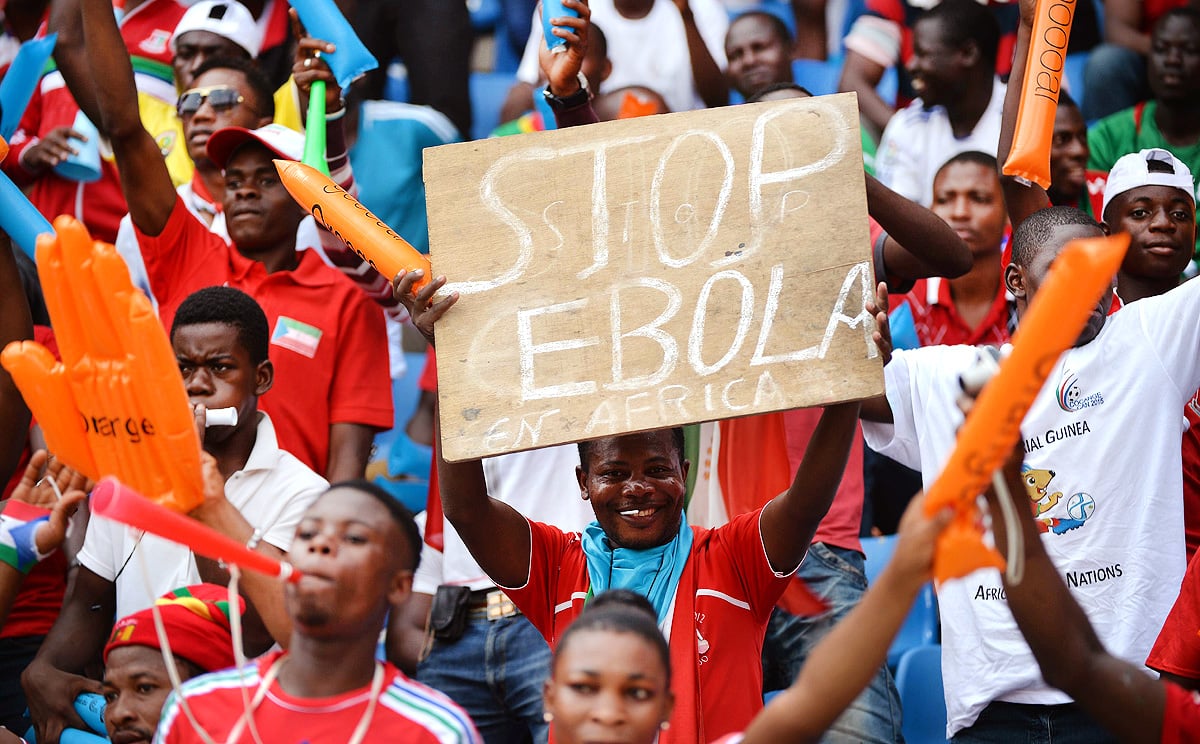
x=559, y=347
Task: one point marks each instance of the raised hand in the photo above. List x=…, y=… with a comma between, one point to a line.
x=561, y=69
x=118, y=377
x=424, y=311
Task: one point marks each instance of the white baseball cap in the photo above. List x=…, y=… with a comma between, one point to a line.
x=1133, y=171
x=286, y=143
x=226, y=18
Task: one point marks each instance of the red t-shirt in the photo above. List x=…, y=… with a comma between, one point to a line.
x=1191, y=475
x=937, y=321
x=1181, y=719
x=328, y=341
x=407, y=711
x=1177, y=649
x=716, y=643
x=843, y=522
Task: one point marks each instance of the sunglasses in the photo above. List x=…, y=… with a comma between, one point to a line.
x=220, y=97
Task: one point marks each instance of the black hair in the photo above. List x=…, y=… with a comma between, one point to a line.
x=967, y=21
x=1035, y=232
x=775, y=22
x=264, y=95
x=585, y=448
x=1064, y=99
x=232, y=307
x=974, y=157
x=619, y=611
x=1186, y=12
x=597, y=41
x=775, y=88
x=398, y=511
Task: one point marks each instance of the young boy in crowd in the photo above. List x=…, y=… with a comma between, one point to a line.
x=357, y=548
x=973, y=308
x=220, y=339
x=1126, y=377
x=331, y=344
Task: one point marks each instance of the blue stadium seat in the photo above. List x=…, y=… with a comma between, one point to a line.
x=919, y=682
x=878, y=551
x=1073, y=72
x=920, y=627
x=488, y=90
x=819, y=76
x=485, y=14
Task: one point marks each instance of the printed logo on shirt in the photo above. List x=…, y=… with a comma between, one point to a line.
x=156, y=42
x=301, y=338
x=1071, y=395
x=1075, y=511
x=166, y=141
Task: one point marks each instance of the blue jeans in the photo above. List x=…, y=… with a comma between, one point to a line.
x=836, y=575
x=495, y=672
x=1014, y=723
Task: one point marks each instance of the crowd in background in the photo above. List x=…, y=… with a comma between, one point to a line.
x=509, y=609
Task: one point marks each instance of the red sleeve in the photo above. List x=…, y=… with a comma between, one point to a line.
x=1181, y=717
x=1177, y=649
x=537, y=599
x=362, y=385
x=741, y=543
x=27, y=131
x=183, y=255
x=893, y=10
x=428, y=381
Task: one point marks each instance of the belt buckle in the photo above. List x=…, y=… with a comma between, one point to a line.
x=499, y=605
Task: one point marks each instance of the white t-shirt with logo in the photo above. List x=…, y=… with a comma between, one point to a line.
x=1103, y=459
x=651, y=51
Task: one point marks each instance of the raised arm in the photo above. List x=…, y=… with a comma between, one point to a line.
x=16, y=324
x=706, y=73
x=1022, y=200
x=495, y=533
x=1121, y=696
x=1123, y=25
x=789, y=521
x=861, y=75
x=144, y=177
x=844, y=662
x=919, y=243
x=66, y=20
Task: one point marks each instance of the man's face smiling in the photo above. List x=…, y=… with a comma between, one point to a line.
x=636, y=484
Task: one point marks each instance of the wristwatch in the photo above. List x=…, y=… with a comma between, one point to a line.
x=566, y=103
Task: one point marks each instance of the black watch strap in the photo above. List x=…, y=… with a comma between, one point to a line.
x=573, y=101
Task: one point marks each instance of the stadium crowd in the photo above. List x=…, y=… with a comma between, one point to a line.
x=574, y=593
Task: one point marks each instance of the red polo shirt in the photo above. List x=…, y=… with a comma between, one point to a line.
x=328, y=341
x=937, y=320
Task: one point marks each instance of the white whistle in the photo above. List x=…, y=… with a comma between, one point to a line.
x=220, y=417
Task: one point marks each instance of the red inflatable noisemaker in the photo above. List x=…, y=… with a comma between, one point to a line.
x=114, y=500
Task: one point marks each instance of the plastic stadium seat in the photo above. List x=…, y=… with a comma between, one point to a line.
x=919, y=682
x=1073, y=72
x=878, y=551
x=488, y=90
x=920, y=627
x=485, y=14
x=820, y=77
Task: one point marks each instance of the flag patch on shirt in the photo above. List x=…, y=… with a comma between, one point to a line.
x=299, y=337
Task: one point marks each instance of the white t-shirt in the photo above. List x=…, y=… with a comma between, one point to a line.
x=650, y=51
x=1104, y=433
x=271, y=492
x=916, y=143
x=540, y=484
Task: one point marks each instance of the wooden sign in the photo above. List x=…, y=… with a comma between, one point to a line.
x=651, y=272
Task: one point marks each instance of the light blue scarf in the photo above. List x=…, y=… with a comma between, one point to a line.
x=654, y=572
